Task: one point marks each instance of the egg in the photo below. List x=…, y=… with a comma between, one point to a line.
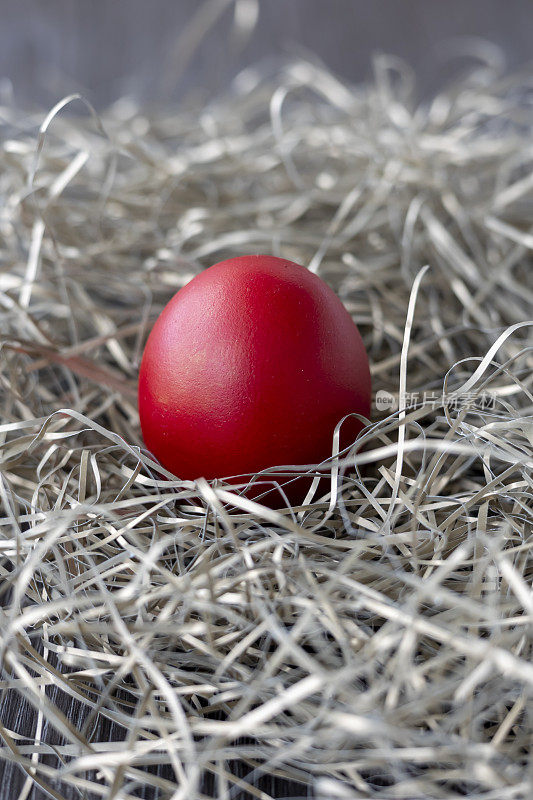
x=251, y=365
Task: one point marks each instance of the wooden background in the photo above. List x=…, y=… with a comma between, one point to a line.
x=109, y=47
x=106, y=47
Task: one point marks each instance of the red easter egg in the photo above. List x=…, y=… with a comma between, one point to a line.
x=251, y=365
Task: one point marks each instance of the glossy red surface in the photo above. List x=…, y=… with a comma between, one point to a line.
x=250, y=365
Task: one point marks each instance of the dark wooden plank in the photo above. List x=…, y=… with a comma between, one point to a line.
x=18, y=715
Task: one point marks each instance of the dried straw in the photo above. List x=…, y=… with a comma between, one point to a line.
x=373, y=643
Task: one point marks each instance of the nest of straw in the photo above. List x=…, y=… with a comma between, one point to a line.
x=372, y=643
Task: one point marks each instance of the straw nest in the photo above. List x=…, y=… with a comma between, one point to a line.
x=372, y=643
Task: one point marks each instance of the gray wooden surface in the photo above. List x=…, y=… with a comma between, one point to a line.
x=18, y=716
x=107, y=47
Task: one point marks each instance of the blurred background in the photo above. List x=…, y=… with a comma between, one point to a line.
x=146, y=48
